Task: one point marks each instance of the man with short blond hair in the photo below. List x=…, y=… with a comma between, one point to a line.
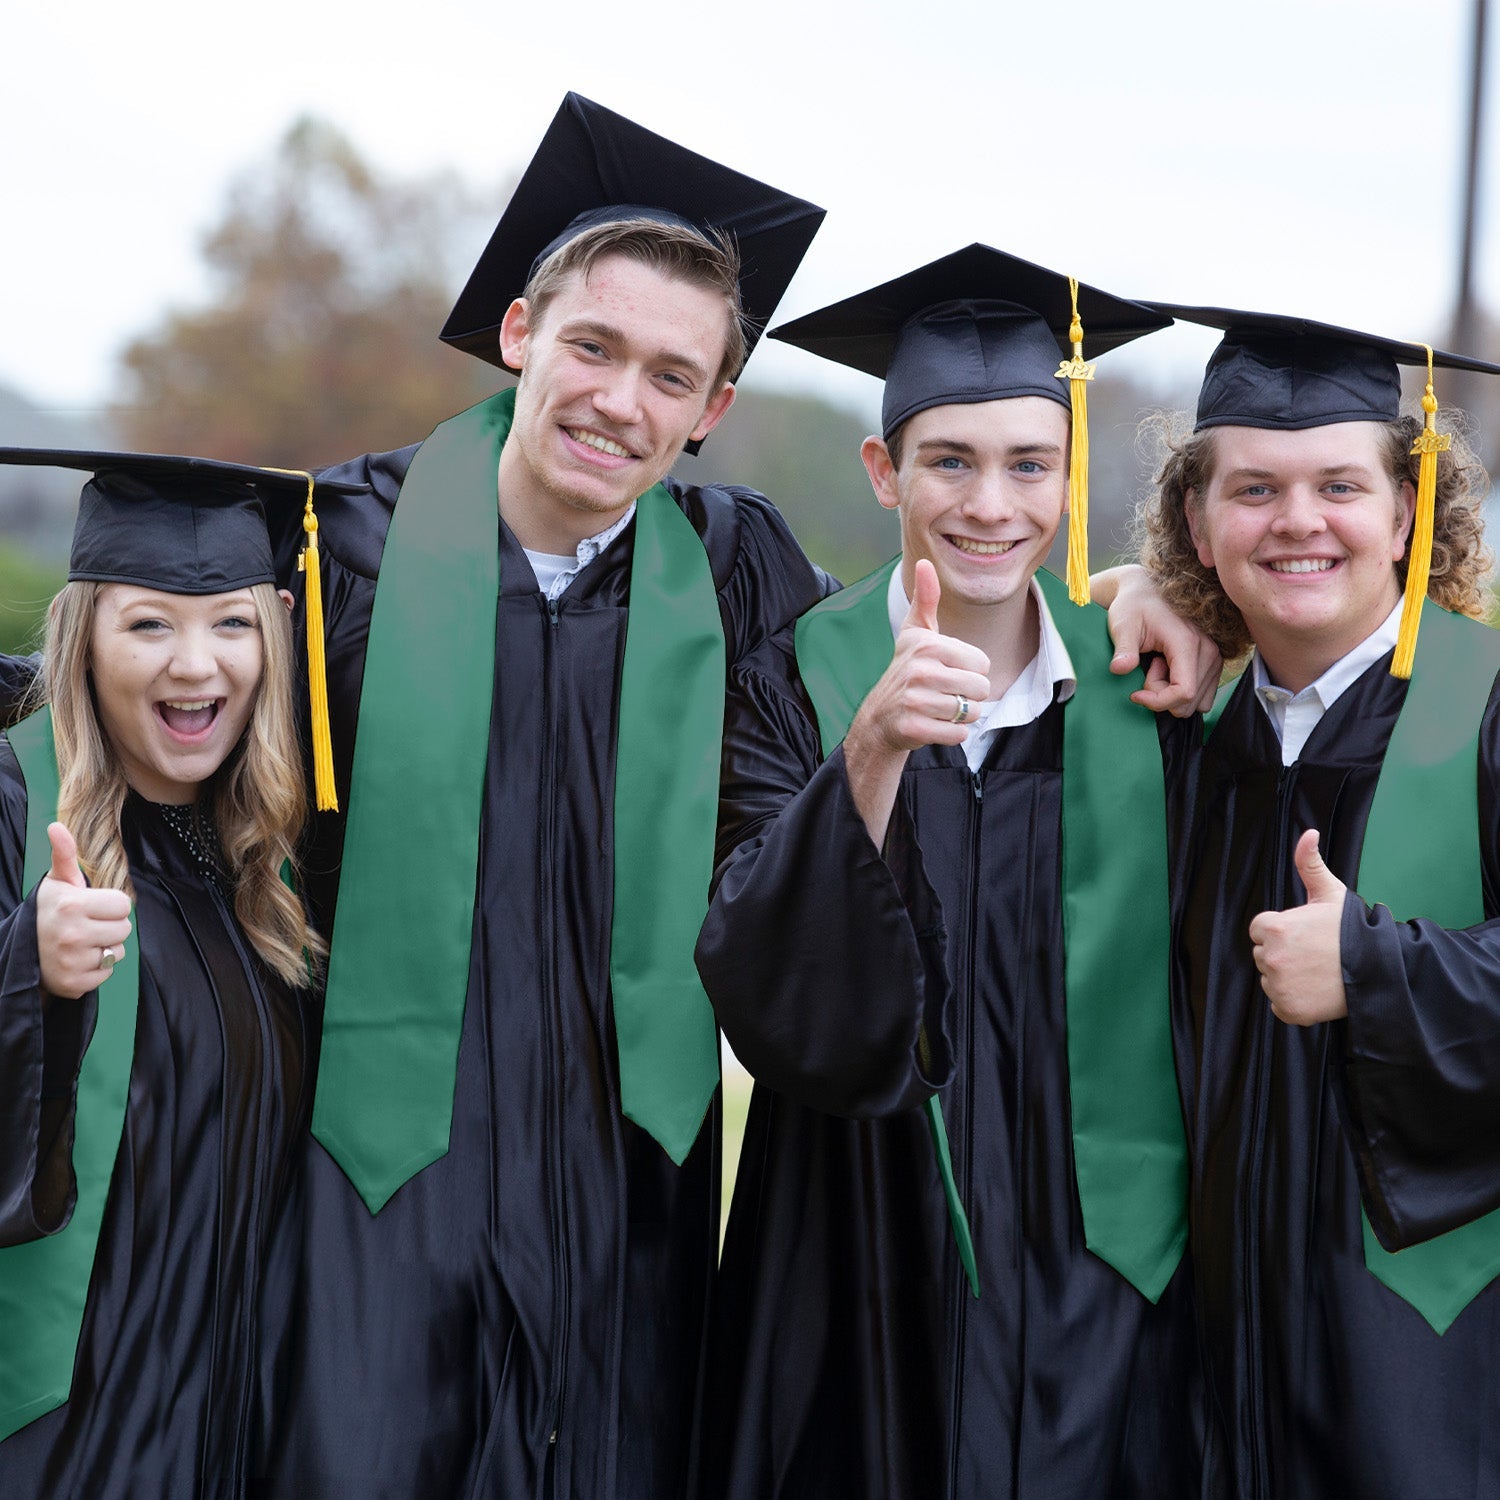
x=512, y=1209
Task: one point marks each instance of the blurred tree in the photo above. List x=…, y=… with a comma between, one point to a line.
x=804, y=454
x=332, y=282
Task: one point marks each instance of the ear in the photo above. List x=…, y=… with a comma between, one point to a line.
x=877, y=461
x=1196, y=529
x=515, y=328
x=286, y=598
x=1407, y=515
x=718, y=404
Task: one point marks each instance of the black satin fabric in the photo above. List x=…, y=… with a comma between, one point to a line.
x=526, y=1316
x=1322, y=1381
x=174, y=1331
x=17, y=675
x=850, y=1358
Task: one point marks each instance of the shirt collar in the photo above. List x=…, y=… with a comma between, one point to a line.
x=1342, y=675
x=556, y=570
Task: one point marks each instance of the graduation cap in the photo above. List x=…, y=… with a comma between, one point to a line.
x=981, y=325
x=195, y=526
x=1287, y=373
x=1290, y=373
x=596, y=167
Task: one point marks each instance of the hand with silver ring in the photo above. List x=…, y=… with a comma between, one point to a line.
x=108, y=958
x=961, y=708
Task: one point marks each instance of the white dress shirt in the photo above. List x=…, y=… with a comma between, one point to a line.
x=556, y=570
x=1294, y=716
x=1047, y=675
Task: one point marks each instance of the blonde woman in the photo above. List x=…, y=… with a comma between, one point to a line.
x=157, y=992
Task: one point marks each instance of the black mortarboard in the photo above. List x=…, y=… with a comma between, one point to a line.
x=195, y=526
x=182, y=525
x=977, y=325
x=981, y=325
x=1292, y=373
x=594, y=166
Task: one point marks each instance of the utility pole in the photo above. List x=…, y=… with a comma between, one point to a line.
x=1466, y=334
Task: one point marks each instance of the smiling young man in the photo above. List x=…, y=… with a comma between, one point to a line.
x=944, y=867
x=512, y=1208
x=1337, y=1058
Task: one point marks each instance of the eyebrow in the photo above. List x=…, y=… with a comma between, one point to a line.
x=1357, y=470
x=967, y=450
x=607, y=333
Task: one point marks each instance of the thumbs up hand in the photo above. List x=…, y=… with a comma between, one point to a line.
x=80, y=932
x=931, y=678
x=1297, y=951
x=927, y=696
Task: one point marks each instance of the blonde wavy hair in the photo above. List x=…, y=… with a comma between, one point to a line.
x=1184, y=461
x=259, y=794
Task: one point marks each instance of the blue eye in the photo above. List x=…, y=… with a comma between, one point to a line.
x=950, y=463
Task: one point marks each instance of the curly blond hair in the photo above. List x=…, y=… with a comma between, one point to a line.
x=259, y=794
x=1184, y=460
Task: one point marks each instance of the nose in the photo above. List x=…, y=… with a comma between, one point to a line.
x=1300, y=514
x=617, y=397
x=193, y=656
x=989, y=500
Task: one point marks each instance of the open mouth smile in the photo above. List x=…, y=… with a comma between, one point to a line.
x=597, y=442
x=188, y=720
x=1303, y=565
x=981, y=549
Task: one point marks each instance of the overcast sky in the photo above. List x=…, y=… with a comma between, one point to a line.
x=1291, y=155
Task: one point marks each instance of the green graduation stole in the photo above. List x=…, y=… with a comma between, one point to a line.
x=1129, y=1147
x=398, y=974
x=44, y=1283
x=1432, y=765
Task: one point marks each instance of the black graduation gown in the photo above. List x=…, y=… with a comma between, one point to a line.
x=1322, y=1381
x=527, y=1315
x=850, y=1357
x=173, y=1340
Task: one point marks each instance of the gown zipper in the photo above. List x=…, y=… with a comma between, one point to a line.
x=561, y=1307
x=964, y=1169
x=1254, y=1333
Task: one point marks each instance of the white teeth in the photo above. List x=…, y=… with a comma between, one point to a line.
x=192, y=707
x=594, y=440
x=983, y=549
x=1303, y=565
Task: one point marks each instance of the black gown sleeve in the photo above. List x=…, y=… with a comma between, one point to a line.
x=18, y=676
x=41, y=1049
x=823, y=956
x=1421, y=1066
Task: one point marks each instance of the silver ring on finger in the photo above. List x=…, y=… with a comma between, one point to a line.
x=961, y=708
x=108, y=958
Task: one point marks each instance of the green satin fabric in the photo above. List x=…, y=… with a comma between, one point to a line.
x=399, y=970
x=1130, y=1152
x=1434, y=871
x=44, y=1284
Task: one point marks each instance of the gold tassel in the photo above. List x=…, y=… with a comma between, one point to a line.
x=1075, y=371
x=1430, y=442
x=325, y=793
